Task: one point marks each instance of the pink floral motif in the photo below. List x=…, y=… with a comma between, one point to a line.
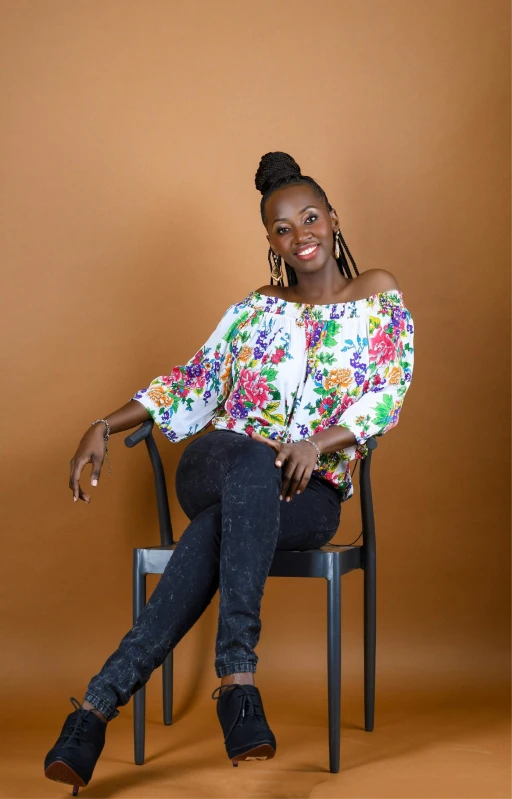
x=382, y=348
x=255, y=387
x=277, y=356
x=346, y=402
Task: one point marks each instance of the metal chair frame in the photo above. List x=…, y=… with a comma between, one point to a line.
x=329, y=562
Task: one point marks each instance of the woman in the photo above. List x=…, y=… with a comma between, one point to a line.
x=294, y=380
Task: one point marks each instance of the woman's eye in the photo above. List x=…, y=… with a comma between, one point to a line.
x=281, y=229
x=311, y=216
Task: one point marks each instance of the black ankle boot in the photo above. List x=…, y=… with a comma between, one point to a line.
x=247, y=735
x=74, y=756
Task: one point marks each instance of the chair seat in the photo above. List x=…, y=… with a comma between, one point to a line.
x=321, y=562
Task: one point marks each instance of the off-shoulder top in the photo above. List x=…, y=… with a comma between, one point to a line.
x=288, y=370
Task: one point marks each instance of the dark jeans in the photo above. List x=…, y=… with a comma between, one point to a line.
x=228, y=485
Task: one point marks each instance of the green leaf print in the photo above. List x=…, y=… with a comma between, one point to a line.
x=383, y=411
x=374, y=323
x=329, y=341
x=333, y=328
x=326, y=358
x=269, y=372
x=274, y=418
x=229, y=335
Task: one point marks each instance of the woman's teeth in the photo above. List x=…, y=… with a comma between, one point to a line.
x=308, y=251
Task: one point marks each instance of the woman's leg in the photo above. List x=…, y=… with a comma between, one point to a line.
x=228, y=485
x=255, y=522
x=187, y=585
x=183, y=592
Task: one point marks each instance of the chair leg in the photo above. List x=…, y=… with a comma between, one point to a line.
x=167, y=687
x=370, y=631
x=334, y=667
x=139, y=697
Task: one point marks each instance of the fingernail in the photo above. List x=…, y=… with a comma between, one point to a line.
x=278, y=463
x=75, y=499
x=280, y=497
x=288, y=499
x=94, y=482
x=297, y=492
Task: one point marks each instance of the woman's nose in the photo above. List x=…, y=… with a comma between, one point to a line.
x=302, y=236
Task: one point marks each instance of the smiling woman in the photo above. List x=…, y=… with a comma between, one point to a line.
x=294, y=379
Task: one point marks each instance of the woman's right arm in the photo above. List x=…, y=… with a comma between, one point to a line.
x=181, y=404
x=91, y=448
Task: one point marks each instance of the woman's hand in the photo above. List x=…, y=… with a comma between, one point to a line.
x=91, y=449
x=299, y=460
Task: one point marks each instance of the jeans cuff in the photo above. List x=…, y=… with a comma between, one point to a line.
x=102, y=706
x=235, y=668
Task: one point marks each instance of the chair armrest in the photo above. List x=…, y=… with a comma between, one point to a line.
x=140, y=434
x=145, y=433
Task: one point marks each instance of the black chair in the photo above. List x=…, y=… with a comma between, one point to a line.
x=329, y=562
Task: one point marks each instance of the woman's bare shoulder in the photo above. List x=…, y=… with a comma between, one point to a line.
x=373, y=281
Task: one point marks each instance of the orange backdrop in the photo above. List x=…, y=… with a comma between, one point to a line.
x=130, y=135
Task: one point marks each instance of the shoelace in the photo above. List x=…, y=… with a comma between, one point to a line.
x=76, y=730
x=249, y=705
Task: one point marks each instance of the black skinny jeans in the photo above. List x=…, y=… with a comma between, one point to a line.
x=228, y=485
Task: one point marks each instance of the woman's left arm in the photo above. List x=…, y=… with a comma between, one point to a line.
x=389, y=375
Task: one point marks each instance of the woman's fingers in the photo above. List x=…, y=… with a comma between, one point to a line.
x=291, y=480
x=86, y=498
x=304, y=481
x=296, y=477
x=277, y=445
x=74, y=480
x=96, y=469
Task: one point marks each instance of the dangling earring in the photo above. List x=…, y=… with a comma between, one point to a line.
x=276, y=272
x=337, y=244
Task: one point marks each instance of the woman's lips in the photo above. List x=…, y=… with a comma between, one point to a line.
x=308, y=252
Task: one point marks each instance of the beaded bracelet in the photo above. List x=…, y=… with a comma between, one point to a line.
x=315, y=446
x=106, y=438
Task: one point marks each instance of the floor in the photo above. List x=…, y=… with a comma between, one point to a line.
x=428, y=742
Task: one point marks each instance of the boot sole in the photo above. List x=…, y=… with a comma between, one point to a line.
x=59, y=771
x=262, y=752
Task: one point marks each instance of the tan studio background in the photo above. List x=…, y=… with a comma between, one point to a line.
x=130, y=135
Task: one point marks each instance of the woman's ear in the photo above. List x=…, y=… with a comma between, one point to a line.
x=335, y=220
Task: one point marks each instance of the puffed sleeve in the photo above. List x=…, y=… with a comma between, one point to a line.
x=183, y=402
x=389, y=372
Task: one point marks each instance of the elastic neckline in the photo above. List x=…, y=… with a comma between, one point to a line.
x=328, y=305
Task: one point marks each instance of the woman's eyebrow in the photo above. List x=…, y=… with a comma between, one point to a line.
x=283, y=219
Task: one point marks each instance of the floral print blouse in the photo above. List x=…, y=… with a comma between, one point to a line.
x=288, y=370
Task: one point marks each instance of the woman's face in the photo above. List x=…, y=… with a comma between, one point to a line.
x=300, y=228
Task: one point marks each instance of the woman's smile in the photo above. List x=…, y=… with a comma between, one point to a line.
x=307, y=252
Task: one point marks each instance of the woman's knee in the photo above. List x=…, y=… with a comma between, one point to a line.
x=256, y=457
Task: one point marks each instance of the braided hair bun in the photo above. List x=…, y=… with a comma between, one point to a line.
x=276, y=168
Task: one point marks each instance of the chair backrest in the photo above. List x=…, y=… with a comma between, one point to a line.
x=145, y=433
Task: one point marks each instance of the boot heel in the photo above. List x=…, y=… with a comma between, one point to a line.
x=73, y=757
x=247, y=735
